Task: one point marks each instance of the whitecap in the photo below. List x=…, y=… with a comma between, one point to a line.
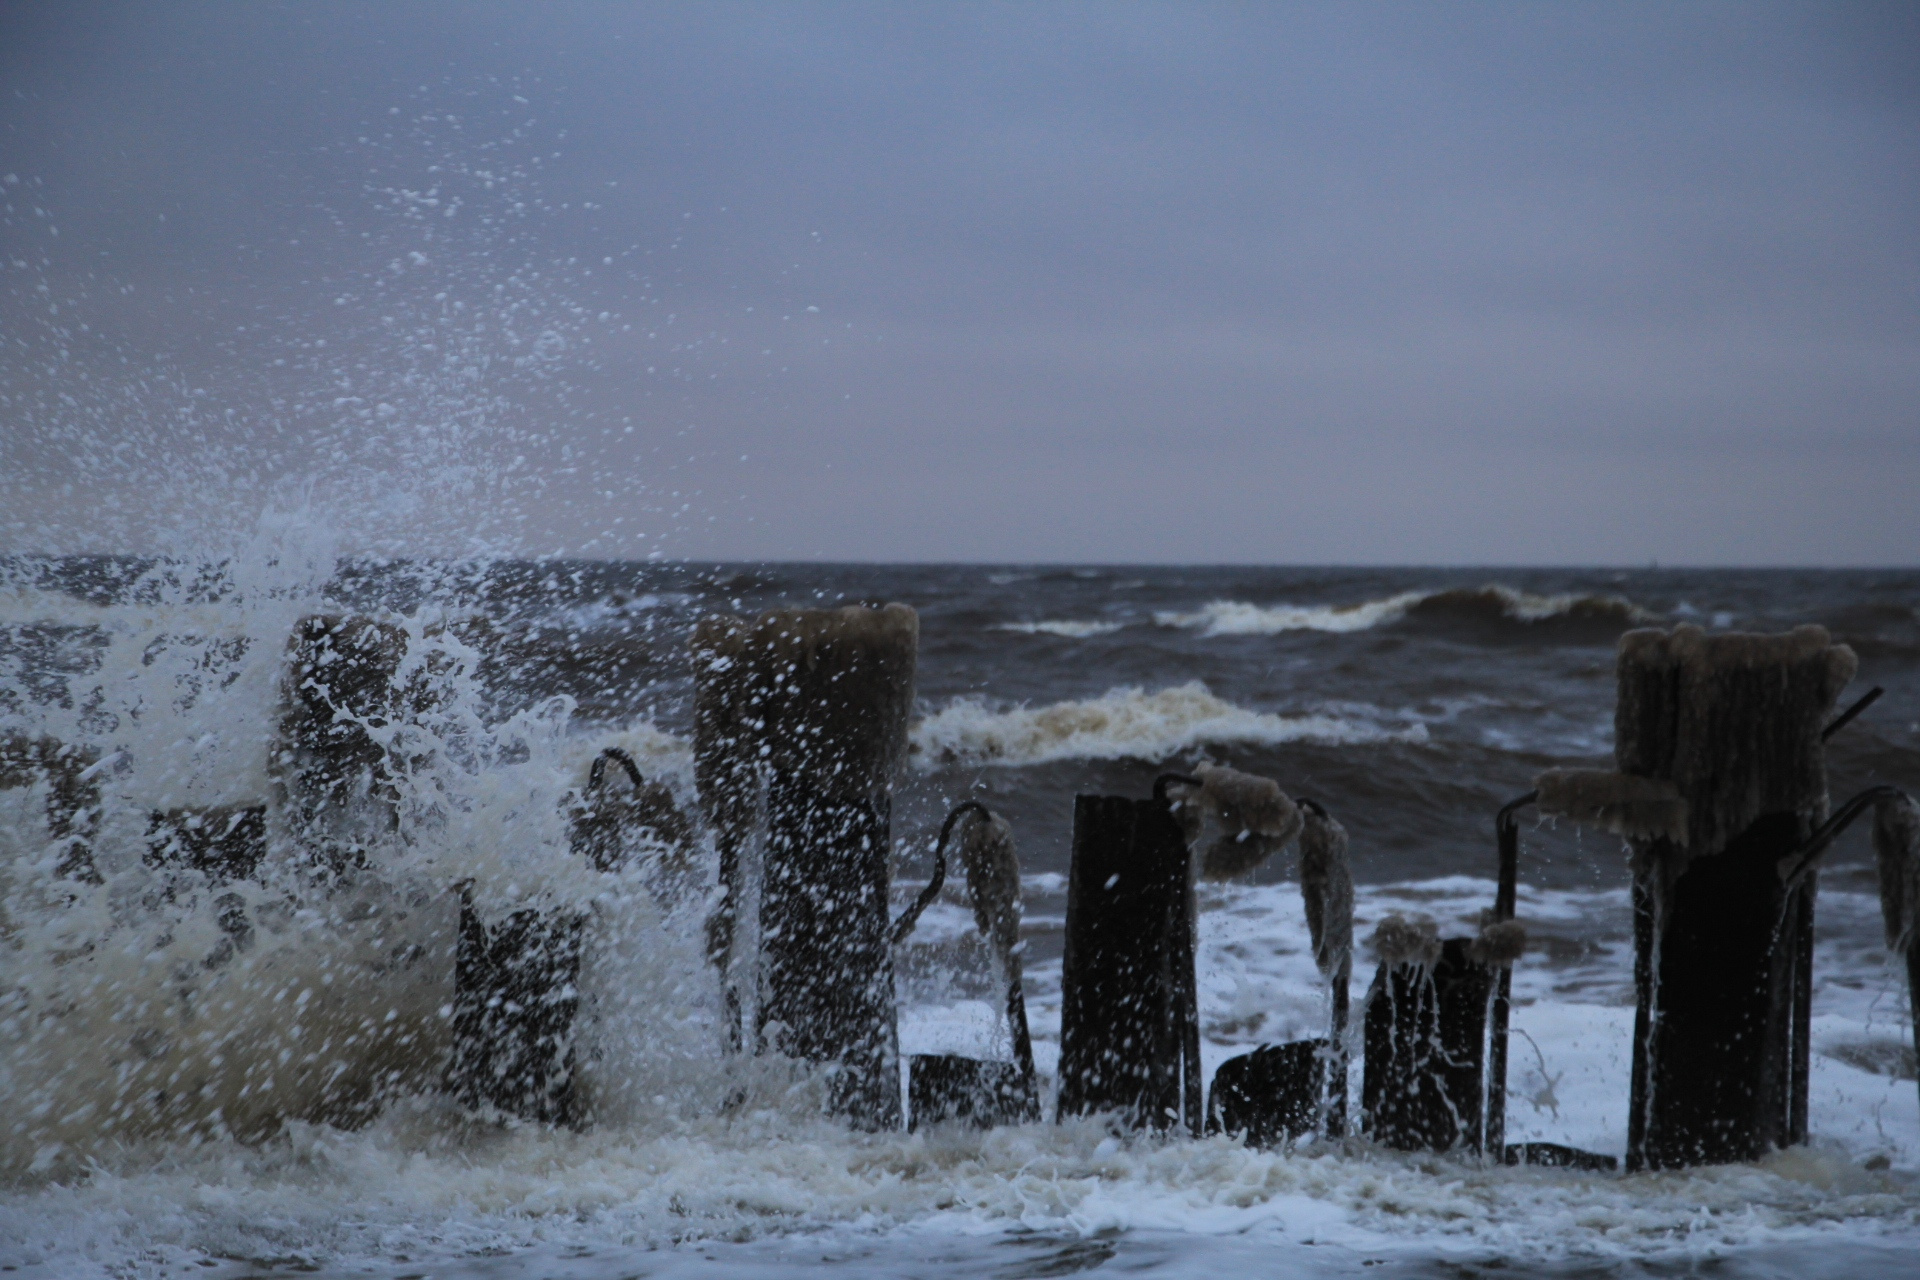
x=1071, y=629
x=1239, y=618
x=1129, y=724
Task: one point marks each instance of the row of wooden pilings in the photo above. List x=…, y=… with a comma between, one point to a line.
x=1719, y=792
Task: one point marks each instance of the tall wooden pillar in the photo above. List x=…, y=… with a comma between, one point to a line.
x=72, y=803
x=335, y=780
x=800, y=723
x=1722, y=947
x=1127, y=983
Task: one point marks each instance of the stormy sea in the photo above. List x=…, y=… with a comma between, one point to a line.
x=242, y=1078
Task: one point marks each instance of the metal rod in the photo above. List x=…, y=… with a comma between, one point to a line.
x=1161, y=783
x=599, y=771
x=911, y=916
x=1815, y=845
x=1506, y=829
x=1022, y=1039
x=1845, y=718
x=1186, y=997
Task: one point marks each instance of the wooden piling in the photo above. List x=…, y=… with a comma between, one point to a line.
x=1426, y=1023
x=1128, y=972
x=515, y=998
x=1735, y=723
x=336, y=785
x=1274, y=1095
x=225, y=843
x=800, y=720
x=1722, y=945
x=945, y=1088
x=1896, y=851
x=72, y=803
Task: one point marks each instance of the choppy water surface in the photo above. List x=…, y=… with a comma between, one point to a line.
x=1411, y=702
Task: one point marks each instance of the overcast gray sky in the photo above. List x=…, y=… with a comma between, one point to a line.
x=1454, y=283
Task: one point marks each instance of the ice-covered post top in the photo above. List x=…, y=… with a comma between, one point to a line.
x=800, y=722
x=1722, y=734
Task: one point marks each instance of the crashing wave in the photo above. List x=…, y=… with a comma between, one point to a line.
x=1067, y=628
x=1491, y=602
x=1127, y=724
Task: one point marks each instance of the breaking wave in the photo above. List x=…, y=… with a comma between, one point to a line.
x=1128, y=724
x=1068, y=628
x=1489, y=603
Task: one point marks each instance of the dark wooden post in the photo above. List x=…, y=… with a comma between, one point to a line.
x=515, y=999
x=1426, y=1025
x=1722, y=945
x=1275, y=1094
x=72, y=804
x=335, y=781
x=515, y=994
x=800, y=719
x=1128, y=971
x=1896, y=851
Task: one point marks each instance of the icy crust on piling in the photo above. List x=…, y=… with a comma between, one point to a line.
x=1687, y=703
x=1896, y=848
x=1254, y=817
x=1326, y=884
x=993, y=881
x=1633, y=807
x=1499, y=943
x=845, y=675
x=1402, y=939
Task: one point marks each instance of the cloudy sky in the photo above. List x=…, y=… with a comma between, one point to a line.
x=1453, y=283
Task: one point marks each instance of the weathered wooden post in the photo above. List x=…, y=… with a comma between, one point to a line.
x=800, y=721
x=72, y=801
x=335, y=781
x=1722, y=945
x=1896, y=848
x=223, y=844
x=515, y=1000
x=515, y=982
x=1127, y=979
x=1424, y=1084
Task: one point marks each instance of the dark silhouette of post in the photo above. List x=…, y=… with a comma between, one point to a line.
x=1423, y=1086
x=800, y=721
x=1722, y=942
x=516, y=995
x=1127, y=981
x=335, y=781
x=1275, y=1094
x=72, y=804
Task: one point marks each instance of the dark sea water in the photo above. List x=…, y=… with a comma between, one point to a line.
x=1411, y=702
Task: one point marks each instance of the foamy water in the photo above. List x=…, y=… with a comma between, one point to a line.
x=1129, y=724
x=302, y=1127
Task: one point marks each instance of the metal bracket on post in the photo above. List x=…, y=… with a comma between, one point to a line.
x=1506, y=828
x=947, y=1086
